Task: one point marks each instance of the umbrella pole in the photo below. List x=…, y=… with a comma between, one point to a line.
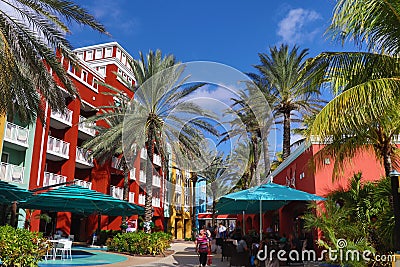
x=260, y=220
x=244, y=227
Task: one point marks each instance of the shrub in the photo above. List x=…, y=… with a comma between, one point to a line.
x=20, y=247
x=140, y=243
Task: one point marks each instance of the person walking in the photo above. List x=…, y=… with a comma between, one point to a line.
x=203, y=246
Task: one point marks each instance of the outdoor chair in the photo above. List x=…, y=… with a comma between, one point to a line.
x=65, y=247
x=71, y=237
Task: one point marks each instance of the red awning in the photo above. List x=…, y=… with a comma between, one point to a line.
x=208, y=216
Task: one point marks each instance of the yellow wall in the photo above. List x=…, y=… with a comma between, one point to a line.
x=2, y=125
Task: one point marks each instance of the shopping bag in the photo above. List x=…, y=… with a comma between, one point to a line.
x=209, y=258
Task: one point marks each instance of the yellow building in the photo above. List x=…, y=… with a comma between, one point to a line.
x=2, y=125
x=179, y=196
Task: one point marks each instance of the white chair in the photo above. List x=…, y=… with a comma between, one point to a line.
x=50, y=252
x=71, y=237
x=65, y=247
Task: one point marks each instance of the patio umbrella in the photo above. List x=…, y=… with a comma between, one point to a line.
x=260, y=198
x=10, y=193
x=78, y=199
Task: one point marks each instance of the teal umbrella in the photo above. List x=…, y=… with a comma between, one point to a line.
x=261, y=198
x=78, y=199
x=10, y=193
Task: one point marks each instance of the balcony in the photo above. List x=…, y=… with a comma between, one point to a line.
x=157, y=181
x=142, y=199
x=16, y=137
x=52, y=179
x=116, y=163
x=157, y=160
x=132, y=174
x=142, y=176
x=83, y=158
x=131, y=197
x=57, y=149
x=86, y=130
x=143, y=153
x=11, y=173
x=155, y=202
x=60, y=120
x=117, y=192
x=82, y=183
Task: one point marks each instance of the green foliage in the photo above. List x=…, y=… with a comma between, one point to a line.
x=140, y=243
x=20, y=247
x=106, y=234
x=361, y=214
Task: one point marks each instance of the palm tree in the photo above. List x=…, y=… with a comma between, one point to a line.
x=161, y=114
x=31, y=32
x=291, y=85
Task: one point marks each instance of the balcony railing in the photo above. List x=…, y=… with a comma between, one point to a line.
x=65, y=117
x=157, y=180
x=58, y=147
x=83, y=183
x=117, y=192
x=86, y=127
x=143, y=153
x=83, y=156
x=16, y=134
x=142, y=199
x=156, y=202
x=132, y=197
x=142, y=176
x=11, y=173
x=52, y=179
x=157, y=159
x=116, y=163
x=132, y=174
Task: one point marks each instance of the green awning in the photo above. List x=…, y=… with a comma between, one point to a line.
x=78, y=199
x=10, y=193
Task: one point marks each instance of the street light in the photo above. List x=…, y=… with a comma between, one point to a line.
x=394, y=177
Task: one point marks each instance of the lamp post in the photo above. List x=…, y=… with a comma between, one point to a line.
x=394, y=177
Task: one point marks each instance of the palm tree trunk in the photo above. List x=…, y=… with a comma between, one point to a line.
x=265, y=147
x=194, y=211
x=148, y=214
x=286, y=135
x=255, y=163
x=387, y=161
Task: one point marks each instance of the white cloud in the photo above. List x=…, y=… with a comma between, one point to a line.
x=294, y=28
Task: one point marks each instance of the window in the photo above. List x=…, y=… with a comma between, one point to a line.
x=118, y=54
x=99, y=53
x=80, y=55
x=95, y=83
x=5, y=157
x=89, y=55
x=108, y=52
x=71, y=68
x=102, y=70
x=84, y=76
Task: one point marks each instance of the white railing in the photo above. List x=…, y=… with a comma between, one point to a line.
x=157, y=159
x=11, y=173
x=142, y=199
x=117, y=192
x=143, y=153
x=116, y=163
x=52, y=179
x=142, y=176
x=83, y=183
x=58, y=147
x=86, y=127
x=157, y=180
x=16, y=134
x=155, y=202
x=178, y=189
x=131, y=197
x=83, y=156
x=65, y=117
x=132, y=174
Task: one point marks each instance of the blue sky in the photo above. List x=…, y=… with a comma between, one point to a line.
x=229, y=32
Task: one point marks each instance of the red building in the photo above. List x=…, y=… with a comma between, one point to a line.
x=57, y=155
x=295, y=172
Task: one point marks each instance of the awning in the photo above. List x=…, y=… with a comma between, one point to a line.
x=10, y=193
x=78, y=199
